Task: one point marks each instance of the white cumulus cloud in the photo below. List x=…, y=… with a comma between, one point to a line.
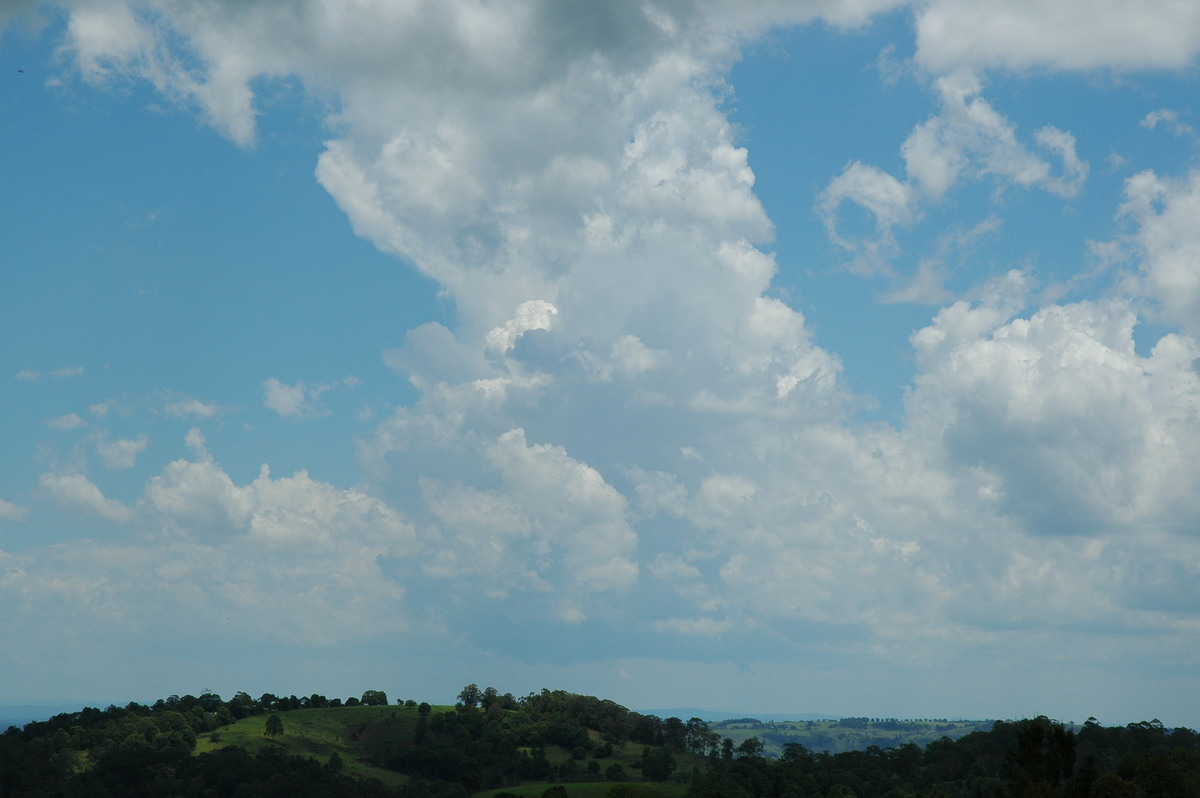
x=77, y=492
x=122, y=452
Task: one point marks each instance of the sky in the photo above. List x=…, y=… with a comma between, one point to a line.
x=834, y=356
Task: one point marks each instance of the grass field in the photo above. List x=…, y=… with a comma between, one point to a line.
x=358, y=734
x=319, y=733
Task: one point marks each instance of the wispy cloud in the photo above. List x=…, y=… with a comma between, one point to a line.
x=179, y=406
x=28, y=375
x=67, y=422
x=299, y=400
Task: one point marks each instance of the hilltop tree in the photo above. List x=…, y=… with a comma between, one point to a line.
x=374, y=698
x=470, y=696
x=274, y=726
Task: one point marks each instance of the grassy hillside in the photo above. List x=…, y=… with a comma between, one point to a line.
x=566, y=745
x=356, y=734
x=847, y=734
x=364, y=735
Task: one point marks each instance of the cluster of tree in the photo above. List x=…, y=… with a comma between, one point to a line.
x=242, y=704
x=146, y=750
x=490, y=740
x=1036, y=758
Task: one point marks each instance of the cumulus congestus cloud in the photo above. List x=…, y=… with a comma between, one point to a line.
x=624, y=427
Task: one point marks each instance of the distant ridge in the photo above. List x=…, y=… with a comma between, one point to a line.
x=20, y=714
x=713, y=716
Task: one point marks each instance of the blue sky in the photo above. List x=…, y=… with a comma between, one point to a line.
x=672, y=353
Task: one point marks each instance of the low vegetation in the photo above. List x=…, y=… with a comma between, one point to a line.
x=555, y=744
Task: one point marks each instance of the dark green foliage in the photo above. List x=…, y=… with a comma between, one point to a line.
x=374, y=698
x=492, y=741
x=274, y=726
x=1021, y=759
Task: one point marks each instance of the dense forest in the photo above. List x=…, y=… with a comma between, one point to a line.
x=555, y=743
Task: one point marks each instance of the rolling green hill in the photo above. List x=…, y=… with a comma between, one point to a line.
x=538, y=748
x=360, y=736
x=556, y=744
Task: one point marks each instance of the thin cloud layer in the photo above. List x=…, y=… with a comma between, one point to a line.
x=625, y=428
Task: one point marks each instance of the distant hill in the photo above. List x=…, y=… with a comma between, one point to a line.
x=715, y=716
x=20, y=714
x=840, y=735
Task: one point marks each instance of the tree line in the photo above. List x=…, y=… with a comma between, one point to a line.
x=489, y=740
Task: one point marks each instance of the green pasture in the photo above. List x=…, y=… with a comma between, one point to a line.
x=354, y=733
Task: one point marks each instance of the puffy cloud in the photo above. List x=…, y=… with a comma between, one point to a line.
x=1167, y=244
x=554, y=526
x=79, y=493
x=536, y=314
x=286, y=400
x=628, y=357
x=288, y=559
x=969, y=136
x=297, y=400
x=178, y=406
x=121, y=453
x=114, y=42
x=1068, y=34
x=1057, y=419
x=69, y=421
x=197, y=498
x=621, y=412
x=12, y=512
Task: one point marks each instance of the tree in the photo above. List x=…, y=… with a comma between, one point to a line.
x=374, y=698
x=1111, y=785
x=470, y=696
x=657, y=765
x=274, y=726
x=751, y=746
